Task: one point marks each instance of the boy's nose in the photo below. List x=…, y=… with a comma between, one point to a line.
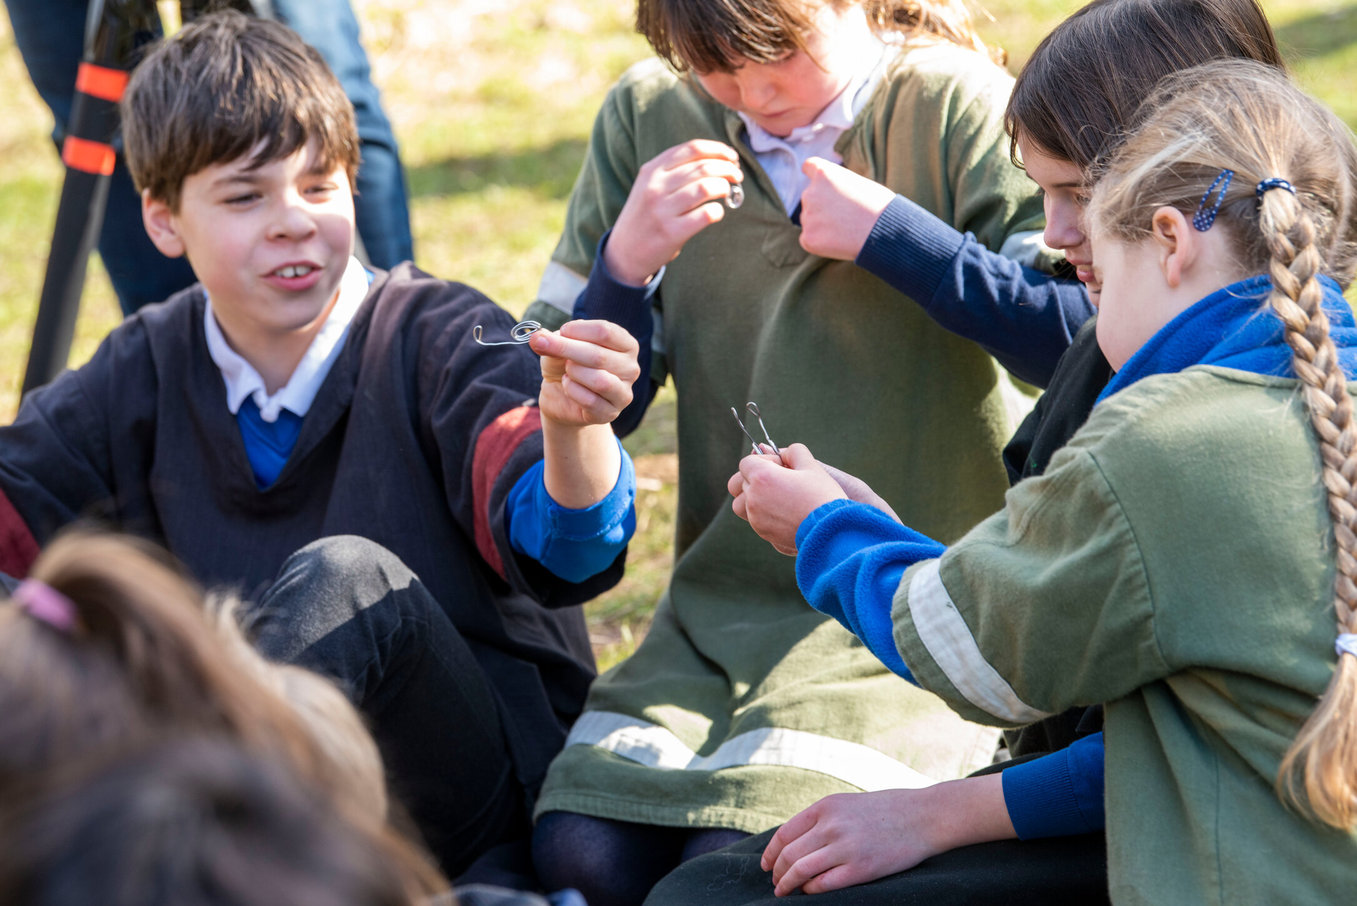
x=755, y=92
x=292, y=220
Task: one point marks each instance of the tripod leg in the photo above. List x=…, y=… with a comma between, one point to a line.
x=88, y=154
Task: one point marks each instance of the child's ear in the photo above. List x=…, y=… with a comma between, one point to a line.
x=161, y=225
x=1176, y=241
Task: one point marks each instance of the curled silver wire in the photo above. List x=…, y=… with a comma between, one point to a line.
x=735, y=197
x=519, y=333
x=753, y=409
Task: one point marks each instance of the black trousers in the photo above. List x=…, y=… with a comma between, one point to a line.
x=350, y=609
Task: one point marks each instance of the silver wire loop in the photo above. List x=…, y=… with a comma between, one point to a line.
x=753, y=409
x=519, y=333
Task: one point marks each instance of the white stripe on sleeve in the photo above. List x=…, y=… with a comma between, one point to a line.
x=949, y=641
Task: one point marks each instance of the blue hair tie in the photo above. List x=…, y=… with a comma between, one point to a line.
x=1273, y=182
x=1205, y=216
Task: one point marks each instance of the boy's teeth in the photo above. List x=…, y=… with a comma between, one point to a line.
x=294, y=270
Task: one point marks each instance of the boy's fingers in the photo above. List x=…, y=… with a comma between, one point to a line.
x=583, y=358
x=599, y=333
x=698, y=148
x=814, y=166
x=604, y=384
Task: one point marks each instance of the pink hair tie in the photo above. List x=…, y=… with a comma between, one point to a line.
x=45, y=604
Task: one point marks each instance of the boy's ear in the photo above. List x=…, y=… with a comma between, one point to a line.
x=161, y=225
x=1176, y=242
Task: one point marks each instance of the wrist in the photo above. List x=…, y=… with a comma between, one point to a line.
x=582, y=462
x=966, y=811
x=620, y=267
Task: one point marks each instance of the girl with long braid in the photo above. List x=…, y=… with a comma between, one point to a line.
x=1189, y=558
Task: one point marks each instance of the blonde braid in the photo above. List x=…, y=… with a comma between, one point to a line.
x=1319, y=770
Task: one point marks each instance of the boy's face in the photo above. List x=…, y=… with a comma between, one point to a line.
x=792, y=92
x=269, y=244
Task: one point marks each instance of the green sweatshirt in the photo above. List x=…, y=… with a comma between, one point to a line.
x=1080, y=592
x=742, y=705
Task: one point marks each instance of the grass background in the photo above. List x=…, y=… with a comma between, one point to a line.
x=492, y=101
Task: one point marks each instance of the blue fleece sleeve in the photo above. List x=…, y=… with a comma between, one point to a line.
x=572, y=544
x=1023, y=317
x=850, y=557
x=1058, y=794
x=605, y=299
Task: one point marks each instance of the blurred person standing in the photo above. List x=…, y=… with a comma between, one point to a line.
x=50, y=35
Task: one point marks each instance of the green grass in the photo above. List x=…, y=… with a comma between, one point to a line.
x=493, y=101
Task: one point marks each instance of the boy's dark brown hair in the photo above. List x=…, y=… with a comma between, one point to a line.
x=225, y=87
x=1076, y=97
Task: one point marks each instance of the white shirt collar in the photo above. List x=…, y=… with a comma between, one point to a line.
x=297, y=395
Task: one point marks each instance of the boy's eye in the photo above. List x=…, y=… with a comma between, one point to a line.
x=242, y=199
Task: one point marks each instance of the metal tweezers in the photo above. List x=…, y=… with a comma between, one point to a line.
x=753, y=409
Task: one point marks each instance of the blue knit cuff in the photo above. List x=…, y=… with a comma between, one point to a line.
x=910, y=249
x=1058, y=794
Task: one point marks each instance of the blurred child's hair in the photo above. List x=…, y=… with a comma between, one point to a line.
x=228, y=87
x=1251, y=119
x=197, y=821
x=717, y=35
x=139, y=656
x=323, y=710
x=1077, y=95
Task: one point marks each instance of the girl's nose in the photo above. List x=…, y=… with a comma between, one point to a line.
x=1064, y=225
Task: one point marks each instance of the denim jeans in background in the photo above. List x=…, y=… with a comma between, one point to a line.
x=50, y=35
x=383, y=212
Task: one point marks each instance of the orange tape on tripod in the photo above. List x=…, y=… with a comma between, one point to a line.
x=101, y=82
x=87, y=156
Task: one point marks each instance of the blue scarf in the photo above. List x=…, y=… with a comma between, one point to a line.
x=1235, y=328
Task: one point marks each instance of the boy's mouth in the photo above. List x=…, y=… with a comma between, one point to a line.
x=294, y=270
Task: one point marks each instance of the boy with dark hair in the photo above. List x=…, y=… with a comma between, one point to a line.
x=293, y=396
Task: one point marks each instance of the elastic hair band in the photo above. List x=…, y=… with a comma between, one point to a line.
x=45, y=604
x=1346, y=644
x=1273, y=182
x=1205, y=216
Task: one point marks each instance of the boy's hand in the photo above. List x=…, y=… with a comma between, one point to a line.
x=676, y=194
x=839, y=209
x=776, y=495
x=588, y=368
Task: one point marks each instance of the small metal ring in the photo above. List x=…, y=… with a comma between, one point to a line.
x=735, y=197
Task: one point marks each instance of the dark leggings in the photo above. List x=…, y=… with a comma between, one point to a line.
x=615, y=863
